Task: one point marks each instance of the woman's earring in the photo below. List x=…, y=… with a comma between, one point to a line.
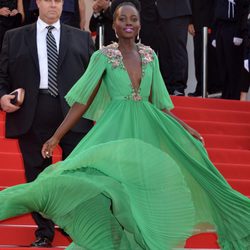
x=138, y=37
x=116, y=35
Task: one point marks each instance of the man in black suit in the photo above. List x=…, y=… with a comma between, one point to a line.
x=202, y=16
x=229, y=28
x=24, y=63
x=174, y=17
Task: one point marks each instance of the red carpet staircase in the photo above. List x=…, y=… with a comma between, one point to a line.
x=225, y=126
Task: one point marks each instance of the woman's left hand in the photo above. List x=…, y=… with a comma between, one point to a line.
x=196, y=135
x=192, y=131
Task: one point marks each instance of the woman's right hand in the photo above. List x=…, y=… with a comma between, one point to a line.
x=13, y=12
x=49, y=146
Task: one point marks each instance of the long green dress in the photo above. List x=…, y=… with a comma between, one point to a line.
x=138, y=180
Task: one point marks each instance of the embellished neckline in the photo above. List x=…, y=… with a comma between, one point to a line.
x=116, y=59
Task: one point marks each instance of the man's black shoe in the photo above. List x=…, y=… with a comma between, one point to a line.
x=195, y=94
x=42, y=242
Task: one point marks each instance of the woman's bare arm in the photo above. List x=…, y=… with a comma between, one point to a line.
x=192, y=131
x=72, y=117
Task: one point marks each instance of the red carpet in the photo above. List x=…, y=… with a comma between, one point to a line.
x=224, y=124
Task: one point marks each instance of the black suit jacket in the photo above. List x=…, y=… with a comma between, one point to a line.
x=19, y=67
x=202, y=13
x=173, y=8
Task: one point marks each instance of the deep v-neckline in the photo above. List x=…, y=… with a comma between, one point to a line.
x=135, y=88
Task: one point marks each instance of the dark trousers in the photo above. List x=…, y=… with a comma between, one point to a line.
x=173, y=52
x=230, y=60
x=213, y=80
x=47, y=119
x=245, y=80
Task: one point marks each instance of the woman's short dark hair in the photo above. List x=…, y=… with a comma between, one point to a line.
x=118, y=3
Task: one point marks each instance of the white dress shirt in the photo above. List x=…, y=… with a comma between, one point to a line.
x=42, y=48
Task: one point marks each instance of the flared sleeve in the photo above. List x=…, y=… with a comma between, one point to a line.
x=160, y=95
x=84, y=87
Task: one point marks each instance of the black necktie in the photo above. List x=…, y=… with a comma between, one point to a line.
x=52, y=62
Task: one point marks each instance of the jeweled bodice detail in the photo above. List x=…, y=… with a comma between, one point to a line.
x=115, y=56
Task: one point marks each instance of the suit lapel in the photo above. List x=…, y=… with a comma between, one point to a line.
x=30, y=39
x=64, y=42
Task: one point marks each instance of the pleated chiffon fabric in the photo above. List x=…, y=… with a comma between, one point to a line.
x=138, y=180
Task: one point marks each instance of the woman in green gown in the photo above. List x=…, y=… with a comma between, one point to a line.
x=141, y=178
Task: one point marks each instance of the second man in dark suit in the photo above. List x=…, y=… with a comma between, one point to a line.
x=202, y=16
x=38, y=57
x=174, y=17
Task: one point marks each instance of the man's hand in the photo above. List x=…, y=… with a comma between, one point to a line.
x=100, y=5
x=82, y=24
x=214, y=43
x=5, y=11
x=237, y=41
x=13, y=12
x=6, y=104
x=191, y=29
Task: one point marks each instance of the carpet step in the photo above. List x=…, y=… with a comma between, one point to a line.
x=9, y=145
x=2, y=128
x=234, y=171
x=11, y=160
x=220, y=128
x=231, y=156
x=10, y=177
x=14, y=160
x=227, y=141
x=211, y=103
x=24, y=235
x=242, y=186
x=187, y=113
x=25, y=219
x=2, y=116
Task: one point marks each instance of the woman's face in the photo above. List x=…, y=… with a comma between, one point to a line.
x=126, y=22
